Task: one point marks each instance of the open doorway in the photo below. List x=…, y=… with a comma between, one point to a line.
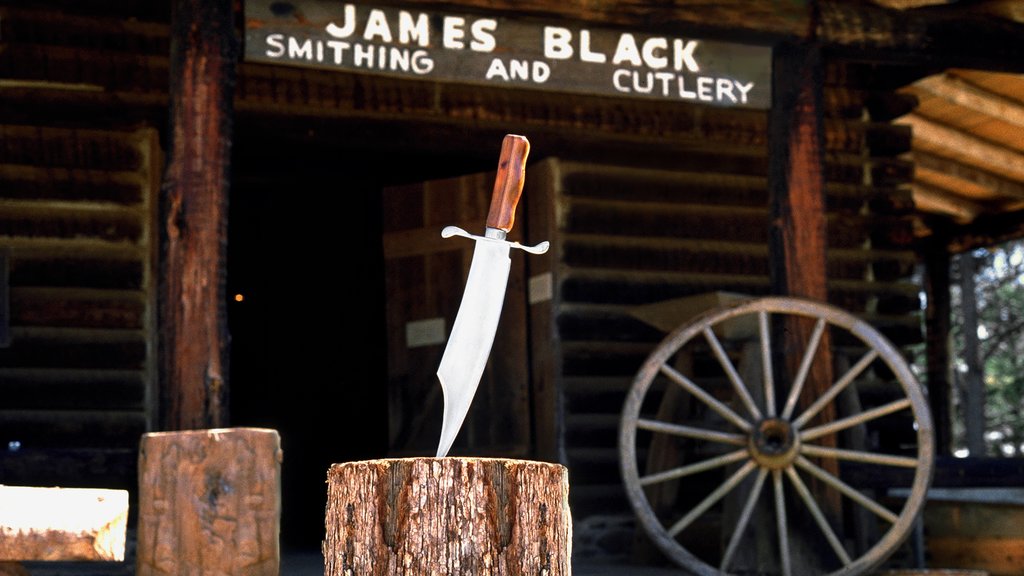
x=306, y=301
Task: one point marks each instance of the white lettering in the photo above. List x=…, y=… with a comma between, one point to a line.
x=618, y=82
x=586, y=54
x=496, y=70
x=723, y=89
x=349, y=23
x=523, y=70
x=704, y=84
x=298, y=49
x=483, y=39
x=541, y=71
x=684, y=55
x=276, y=43
x=651, y=50
x=743, y=88
x=338, y=48
x=410, y=30
x=557, y=43
x=362, y=55
x=377, y=27
x=683, y=92
x=453, y=32
x=627, y=51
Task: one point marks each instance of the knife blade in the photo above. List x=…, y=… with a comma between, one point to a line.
x=469, y=344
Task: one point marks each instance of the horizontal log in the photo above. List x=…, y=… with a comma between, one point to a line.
x=75, y=348
x=20, y=25
x=62, y=184
x=715, y=256
x=48, y=429
x=78, y=309
x=55, y=389
x=73, y=223
x=62, y=523
x=84, y=467
x=74, y=148
x=116, y=274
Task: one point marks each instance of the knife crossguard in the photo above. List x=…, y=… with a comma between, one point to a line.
x=539, y=248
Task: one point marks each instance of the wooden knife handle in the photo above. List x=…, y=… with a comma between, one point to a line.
x=508, y=185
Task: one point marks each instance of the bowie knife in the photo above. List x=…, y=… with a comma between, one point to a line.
x=469, y=344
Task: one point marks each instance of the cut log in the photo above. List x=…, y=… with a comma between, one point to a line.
x=62, y=523
x=209, y=502
x=482, y=516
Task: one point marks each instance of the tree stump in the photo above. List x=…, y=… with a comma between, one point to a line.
x=413, y=516
x=209, y=503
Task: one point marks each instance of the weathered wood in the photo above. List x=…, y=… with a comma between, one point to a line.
x=193, y=317
x=487, y=517
x=209, y=502
x=62, y=523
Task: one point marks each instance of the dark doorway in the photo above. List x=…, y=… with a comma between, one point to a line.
x=306, y=300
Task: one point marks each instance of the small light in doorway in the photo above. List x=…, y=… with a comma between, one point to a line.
x=239, y=297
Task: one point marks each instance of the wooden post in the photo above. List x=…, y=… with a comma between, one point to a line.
x=412, y=516
x=194, y=336
x=937, y=331
x=209, y=503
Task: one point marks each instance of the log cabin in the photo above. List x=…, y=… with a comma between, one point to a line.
x=210, y=215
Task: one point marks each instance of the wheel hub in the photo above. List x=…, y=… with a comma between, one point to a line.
x=774, y=443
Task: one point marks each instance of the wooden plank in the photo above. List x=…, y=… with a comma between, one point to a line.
x=193, y=317
x=62, y=523
x=60, y=307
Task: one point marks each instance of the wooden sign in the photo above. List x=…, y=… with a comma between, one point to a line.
x=494, y=50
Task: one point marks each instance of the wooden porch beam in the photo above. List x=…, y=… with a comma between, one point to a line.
x=999, y=186
x=937, y=200
x=935, y=136
x=972, y=97
x=193, y=216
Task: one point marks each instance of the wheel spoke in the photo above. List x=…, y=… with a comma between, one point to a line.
x=819, y=517
x=702, y=466
x=730, y=371
x=744, y=519
x=710, y=500
x=723, y=410
x=851, y=421
x=805, y=366
x=691, y=432
x=766, y=363
x=836, y=388
x=858, y=456
x=780, y=524
x=846, y=489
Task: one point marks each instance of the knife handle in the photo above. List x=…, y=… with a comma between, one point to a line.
x=508, y=185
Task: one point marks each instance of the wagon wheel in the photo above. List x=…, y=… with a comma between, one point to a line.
x=772, y=468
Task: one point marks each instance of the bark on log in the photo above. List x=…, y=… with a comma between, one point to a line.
x=62, y=523
x=412, y=516
x=209, y=502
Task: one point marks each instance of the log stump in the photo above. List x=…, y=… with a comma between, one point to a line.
x=209, y=503
x=451, y=516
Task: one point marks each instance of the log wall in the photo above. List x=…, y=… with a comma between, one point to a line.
x=77, y=224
